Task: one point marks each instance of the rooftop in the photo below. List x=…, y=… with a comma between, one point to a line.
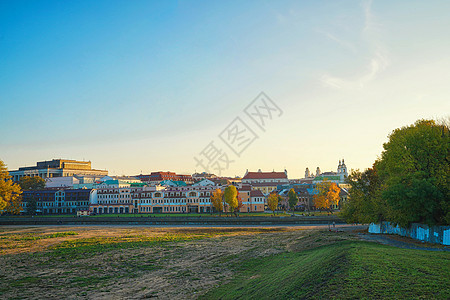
x=265, y=175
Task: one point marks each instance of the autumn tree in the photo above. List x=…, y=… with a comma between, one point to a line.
x=327, y=194
x=321, y=190
x=10, y=192
x=272, y=202
x=217, y=200
x=230, y=197
x=292, y=199
x=333, y=194
x=239, y=206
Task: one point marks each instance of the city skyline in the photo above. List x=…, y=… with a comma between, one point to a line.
x=146, y=86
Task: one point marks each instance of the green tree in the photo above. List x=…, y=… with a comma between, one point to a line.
x=415, y=169
x=10, y=192
x=272, y=202
x=230, y=197
x=292, y=199
x=364, y=203
x=35, y=183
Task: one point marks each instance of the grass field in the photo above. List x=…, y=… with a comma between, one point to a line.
x=345, y=270
x=212, y=263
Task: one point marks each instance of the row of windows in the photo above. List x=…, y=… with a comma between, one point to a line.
x=113, y=196
x=113, y=191
x=54, y=204
x=181, y=201
x=165, y=209
x=159, y=195
x=114, y=201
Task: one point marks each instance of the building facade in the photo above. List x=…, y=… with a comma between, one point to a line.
x=266, y=182
x=252, y=200
x=186, y=199
x=56, y=168
x=57, y=201
x=113, y=197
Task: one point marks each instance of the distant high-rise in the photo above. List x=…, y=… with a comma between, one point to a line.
x=57, y=168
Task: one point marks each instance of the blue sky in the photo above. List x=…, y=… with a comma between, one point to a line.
x=146, y=85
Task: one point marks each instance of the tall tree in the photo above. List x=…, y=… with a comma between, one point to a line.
x=10, y=192
x=292, y=199
x=272, y=202
x=217, y=200
x=415, y=170
x=230, y=197
x=409, y=183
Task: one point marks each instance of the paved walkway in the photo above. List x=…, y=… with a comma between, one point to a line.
x=406, y=244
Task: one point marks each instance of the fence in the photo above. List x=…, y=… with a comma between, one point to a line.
x=435, y=234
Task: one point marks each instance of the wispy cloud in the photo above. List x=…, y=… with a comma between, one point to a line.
x=378, y=62
x=344, y=44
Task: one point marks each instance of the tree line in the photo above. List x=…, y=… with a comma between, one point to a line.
x=408, y=183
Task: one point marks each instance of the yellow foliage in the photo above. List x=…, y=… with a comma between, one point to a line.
x=217, y=200
x=231, y=199
x=10, y=197
x=328, y=194
x=272, y=201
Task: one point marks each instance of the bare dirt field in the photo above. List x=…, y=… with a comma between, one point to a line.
x=54, y=262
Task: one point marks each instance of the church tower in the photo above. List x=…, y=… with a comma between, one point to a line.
x=307, y=173
x=342, y=171
x=318, y=172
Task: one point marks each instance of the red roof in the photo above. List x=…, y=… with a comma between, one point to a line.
x=245, y=188
x=256, y=193
x=262, y=184
x=265, y=175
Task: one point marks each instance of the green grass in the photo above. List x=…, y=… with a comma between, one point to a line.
x=88, y=281
x=25, y=281
x=349, y=270
x=82, y=248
